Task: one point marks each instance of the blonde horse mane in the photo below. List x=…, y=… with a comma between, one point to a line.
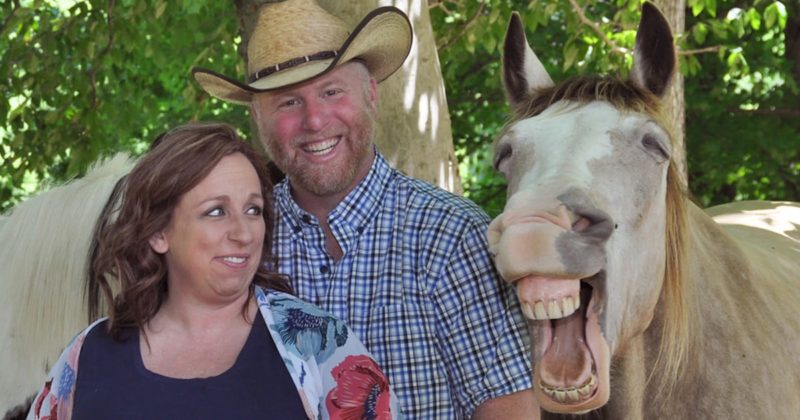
x=676, y=329
x=43, y=268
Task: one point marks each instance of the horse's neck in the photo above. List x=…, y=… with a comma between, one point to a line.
x=736, y=303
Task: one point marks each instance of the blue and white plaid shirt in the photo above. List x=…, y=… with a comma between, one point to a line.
x=417, y=285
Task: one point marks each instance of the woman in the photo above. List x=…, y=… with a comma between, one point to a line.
x=199, y=327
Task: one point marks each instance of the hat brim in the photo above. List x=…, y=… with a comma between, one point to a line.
x=382, y=41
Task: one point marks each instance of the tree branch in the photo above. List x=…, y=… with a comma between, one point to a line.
x=703, y=50
x=464, y=29
x=103, y=52
x=780, y=112
x=597, y=29
x=437, y=4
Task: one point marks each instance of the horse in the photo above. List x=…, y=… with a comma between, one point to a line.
x=640, y=305
x=43, y=268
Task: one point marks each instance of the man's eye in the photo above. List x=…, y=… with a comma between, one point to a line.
x=289, y=103
x=332, y=92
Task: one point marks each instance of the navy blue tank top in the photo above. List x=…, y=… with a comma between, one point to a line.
x=113, y=383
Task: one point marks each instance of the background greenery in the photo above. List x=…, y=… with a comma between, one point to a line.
x=83, y=79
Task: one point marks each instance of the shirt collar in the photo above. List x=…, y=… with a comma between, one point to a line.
x=356, y=209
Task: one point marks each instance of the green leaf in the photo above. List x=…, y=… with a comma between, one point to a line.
x=711, y=7
x=755, y=19
x=699, y=33
x=697, y=8
x=571, y=52
x=160, y=7
x=770, y=15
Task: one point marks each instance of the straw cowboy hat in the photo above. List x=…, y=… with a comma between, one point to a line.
x=297, y=40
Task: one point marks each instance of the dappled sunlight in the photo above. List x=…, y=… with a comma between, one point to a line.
x=413, y=131
x=781, y=219
x=446, y=171
x=434, y=113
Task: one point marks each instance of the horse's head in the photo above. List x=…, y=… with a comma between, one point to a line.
x=583, y=232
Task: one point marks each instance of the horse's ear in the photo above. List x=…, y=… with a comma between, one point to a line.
x=654, y=53
x=523, y=73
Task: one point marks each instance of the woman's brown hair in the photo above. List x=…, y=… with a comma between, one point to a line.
x=122, y=259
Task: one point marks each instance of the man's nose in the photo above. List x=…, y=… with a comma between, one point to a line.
x=315, y=115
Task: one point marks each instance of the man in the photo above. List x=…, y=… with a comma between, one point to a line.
x=404, y=263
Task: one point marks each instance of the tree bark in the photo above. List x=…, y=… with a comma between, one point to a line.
x=675, y=12
x=413, y=129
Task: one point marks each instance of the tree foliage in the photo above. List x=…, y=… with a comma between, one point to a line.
x=743, y=130
x=84, y=79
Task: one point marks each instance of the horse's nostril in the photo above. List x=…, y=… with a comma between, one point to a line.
x=581, y=224
x=594, y=223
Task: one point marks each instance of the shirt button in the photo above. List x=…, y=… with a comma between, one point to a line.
x=307, y=218
x=297, y=229
x=324, y=269
x=360, y=229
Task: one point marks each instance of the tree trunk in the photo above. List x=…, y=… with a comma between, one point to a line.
x=792, y=36
x=675, y=12
x=413, y=130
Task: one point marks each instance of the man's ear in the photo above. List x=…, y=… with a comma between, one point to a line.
x=373, y=93
x=158, y=243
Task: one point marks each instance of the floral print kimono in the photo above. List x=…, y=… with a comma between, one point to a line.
x=335, y=376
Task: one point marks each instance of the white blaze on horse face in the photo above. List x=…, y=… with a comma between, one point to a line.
x=552, y=152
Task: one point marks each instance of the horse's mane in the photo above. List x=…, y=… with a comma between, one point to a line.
x=625, y=95
x=622, y=94
x=43, y=263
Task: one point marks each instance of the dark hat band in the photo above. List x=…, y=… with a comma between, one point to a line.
x=324, y=55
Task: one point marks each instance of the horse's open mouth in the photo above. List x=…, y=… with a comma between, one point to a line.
x=570, y=355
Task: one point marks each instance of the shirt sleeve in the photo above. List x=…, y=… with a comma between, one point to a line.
x=483, y=333
x=55, y=397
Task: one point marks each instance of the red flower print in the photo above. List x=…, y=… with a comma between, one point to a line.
x=37, y=406
x=361, y=392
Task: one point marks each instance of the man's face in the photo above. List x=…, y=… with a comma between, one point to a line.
x=320, y=132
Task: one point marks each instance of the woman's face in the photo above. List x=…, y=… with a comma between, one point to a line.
x=214, y=240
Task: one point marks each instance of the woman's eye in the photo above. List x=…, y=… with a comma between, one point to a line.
x=215, y=212
x=255, y=211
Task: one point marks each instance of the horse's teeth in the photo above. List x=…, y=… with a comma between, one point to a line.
x=560, y=395
x=527, y=310
x=569, y=306
x=553, y=310
x=539, y=310
x=573, y=395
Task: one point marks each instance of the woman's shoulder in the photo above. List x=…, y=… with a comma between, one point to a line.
x=304, y=328
x=275, y=298
x=55, y=396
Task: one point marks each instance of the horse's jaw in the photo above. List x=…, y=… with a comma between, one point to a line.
x=571, y=356
x=557, y=259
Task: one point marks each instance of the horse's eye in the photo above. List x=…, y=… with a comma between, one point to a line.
x=654, y=145
x=502, y=153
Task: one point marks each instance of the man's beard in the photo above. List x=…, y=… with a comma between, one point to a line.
x=324, y=181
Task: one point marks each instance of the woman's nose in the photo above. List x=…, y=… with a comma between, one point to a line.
x=241, y=230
